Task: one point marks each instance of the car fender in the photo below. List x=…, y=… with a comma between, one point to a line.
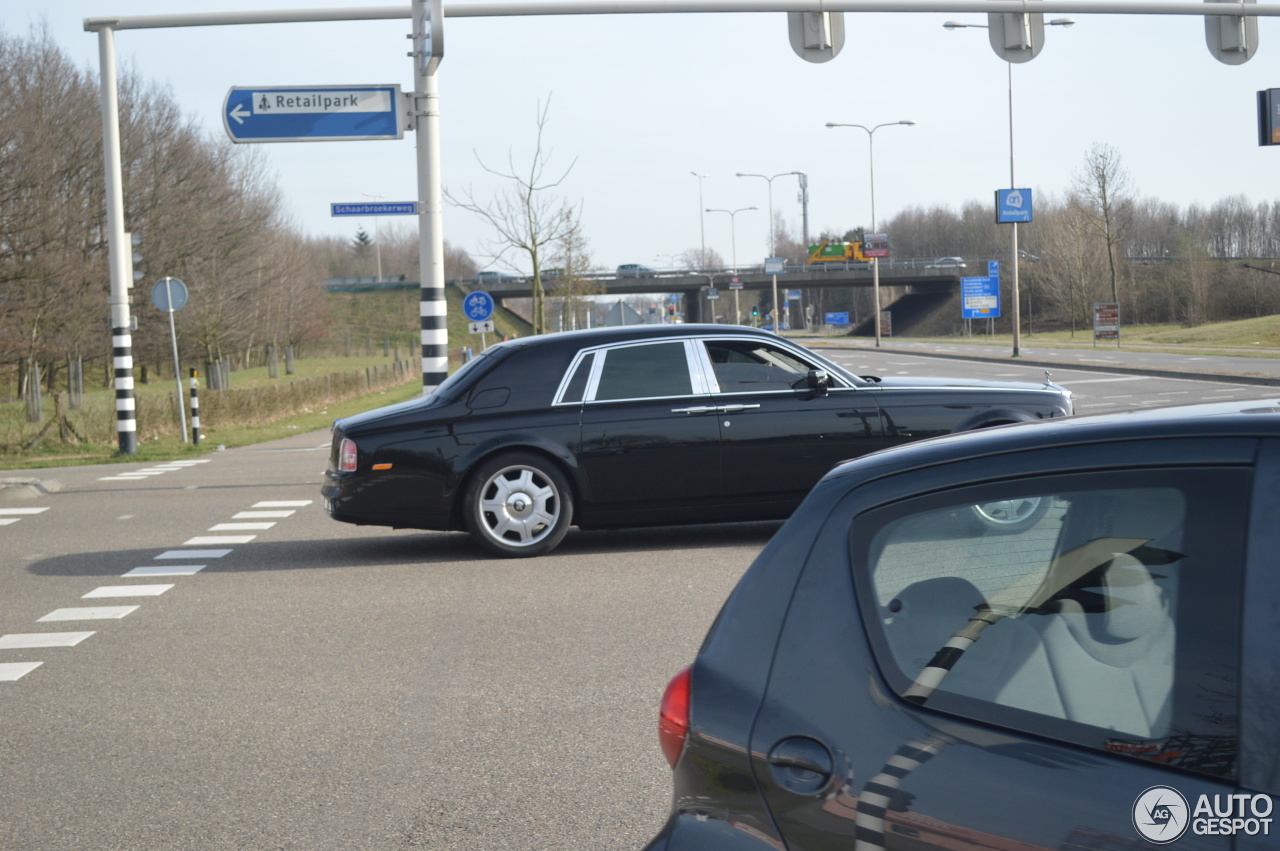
x=996, y=416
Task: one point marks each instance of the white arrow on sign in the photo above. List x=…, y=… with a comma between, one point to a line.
x=239, y=113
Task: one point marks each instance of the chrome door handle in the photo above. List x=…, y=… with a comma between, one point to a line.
x=705, y=409
x=729, y=409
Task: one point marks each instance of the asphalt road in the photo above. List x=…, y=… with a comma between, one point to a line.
x=314, y=685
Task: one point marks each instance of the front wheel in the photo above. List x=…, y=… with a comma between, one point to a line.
x=518, y=505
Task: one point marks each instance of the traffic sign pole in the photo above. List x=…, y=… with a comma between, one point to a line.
x=428, y=41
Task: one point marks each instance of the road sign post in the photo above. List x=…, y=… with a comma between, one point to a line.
x=478, y=307
x=170, y=294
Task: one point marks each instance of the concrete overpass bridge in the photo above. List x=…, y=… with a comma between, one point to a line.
x=693, y=285
x=924, y=285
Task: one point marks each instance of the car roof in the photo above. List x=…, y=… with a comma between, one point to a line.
x=1246, y=418
x=588, y=338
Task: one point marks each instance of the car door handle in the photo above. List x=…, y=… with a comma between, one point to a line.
x=729, y=409
x=704, y=409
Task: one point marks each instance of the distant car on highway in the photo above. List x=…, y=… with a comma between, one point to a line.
x=890, y=674
x=946, y=263
x=636, y=270
x=642, y=425
x=491, y=277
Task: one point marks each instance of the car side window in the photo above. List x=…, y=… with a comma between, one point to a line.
x=1076, y=607
x=754, y=366
x=653, y=370
x=576, y=387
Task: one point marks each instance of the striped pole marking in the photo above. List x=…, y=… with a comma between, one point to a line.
x=435, y=338
x=126, y=417
x=195, y=408
x=874, y=801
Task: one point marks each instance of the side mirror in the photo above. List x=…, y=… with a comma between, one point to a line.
x=818, y=381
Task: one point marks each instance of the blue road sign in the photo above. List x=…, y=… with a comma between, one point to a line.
x=382, y=208
x=1013, y=205
x=841, y=318
x=993, y=268
x=313, y=113
x=980, y=298
x=478, y=306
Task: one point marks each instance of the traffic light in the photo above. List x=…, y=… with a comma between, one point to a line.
x=671, y=310
x=755, y=310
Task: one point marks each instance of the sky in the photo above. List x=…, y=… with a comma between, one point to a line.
x=639, y=103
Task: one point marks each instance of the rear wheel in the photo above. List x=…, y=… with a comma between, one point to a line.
x=517, y=505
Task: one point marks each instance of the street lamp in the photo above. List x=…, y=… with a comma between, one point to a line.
x=777, y=311
x=733, y=239
x=875, y=261
x=377, y=243
x=702, y=219
x=1013, y=251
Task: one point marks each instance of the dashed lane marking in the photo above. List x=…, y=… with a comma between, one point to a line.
x=88, y=613
x=23, y=641
x=192, y=554
x=127, y=591
x=10, y=671
x=167, y=570
x=205, y=540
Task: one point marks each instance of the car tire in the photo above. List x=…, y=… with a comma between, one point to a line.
x=518, y=505
x=1009, y=515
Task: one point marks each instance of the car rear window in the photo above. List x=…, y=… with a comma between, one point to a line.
x=1088, y=609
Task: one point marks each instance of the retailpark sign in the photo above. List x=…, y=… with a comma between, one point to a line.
x=313, y=113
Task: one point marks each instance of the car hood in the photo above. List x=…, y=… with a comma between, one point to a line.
x=915, y=382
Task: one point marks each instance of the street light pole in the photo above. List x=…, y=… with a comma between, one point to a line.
x=702, y=220
x=875, y=261
x=733, y=241
x=1014, y=287
x=777, y=310
x=377, y=241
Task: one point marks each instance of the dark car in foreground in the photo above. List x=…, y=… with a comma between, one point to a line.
x=890, y=675
x=637, y=426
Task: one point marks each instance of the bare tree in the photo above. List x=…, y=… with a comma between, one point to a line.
x=1104, y=186
x=526, y=217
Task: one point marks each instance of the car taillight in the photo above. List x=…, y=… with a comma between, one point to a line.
x=347, y=456
x=673, y=718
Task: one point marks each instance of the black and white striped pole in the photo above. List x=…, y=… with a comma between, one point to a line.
x=195, y=407
x=428, y=43
x=119, y=253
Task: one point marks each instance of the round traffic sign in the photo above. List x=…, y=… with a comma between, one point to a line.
x=478, y=306
x=169, y=294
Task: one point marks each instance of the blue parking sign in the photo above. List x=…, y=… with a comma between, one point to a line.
x=478, y=306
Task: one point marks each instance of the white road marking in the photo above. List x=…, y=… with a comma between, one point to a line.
x=167, y=570
x=251, y=515
x=282, y=503
x=22, y=641
x=5, y=521
x=199, y=540
x=239, y=527
x=127, y=591
x=88, y=613
x=122, y=478
x=23, y=510
x=1073, y=382
x=193, y=554
x=10, y=671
